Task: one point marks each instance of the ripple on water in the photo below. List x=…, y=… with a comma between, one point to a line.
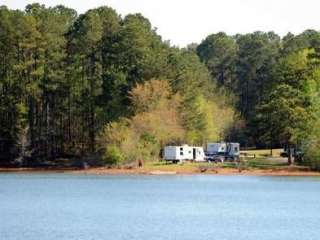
x=62, y=206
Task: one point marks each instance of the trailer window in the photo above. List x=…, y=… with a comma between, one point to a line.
x=236, y=149
x=181, y=153
x=181, y=149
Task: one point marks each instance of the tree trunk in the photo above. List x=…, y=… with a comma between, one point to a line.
x=31, y=123
x=290, y=160
x=92, y=104
x=92, y=129
x=271, y=137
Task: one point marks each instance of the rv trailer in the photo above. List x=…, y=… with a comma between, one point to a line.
x=182, y=153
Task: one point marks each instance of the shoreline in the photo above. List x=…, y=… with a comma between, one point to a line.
x=145, y=171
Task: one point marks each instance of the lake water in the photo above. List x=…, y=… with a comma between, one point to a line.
x=89, y=207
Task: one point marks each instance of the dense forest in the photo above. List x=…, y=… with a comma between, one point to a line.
x=107, y=88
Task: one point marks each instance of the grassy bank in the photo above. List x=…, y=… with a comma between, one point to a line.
x=246, y=164
x=252, y=160
x=261, y=164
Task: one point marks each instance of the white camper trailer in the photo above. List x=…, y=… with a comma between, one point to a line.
x=198, y=154
x=182, y=153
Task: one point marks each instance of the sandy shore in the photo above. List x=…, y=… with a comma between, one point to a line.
x=146, y=171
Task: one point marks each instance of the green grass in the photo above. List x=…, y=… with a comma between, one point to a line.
x=262, y=153
x=261, y=161
x=264, y=163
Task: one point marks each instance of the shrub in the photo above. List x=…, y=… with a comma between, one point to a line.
x=160, y=117
x=113, y=155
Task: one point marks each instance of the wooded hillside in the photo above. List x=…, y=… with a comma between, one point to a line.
x=98, y=84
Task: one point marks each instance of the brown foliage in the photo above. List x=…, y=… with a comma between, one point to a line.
x=150, y=95
x=156, y=122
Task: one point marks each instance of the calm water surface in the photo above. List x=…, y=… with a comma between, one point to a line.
x=72, y=207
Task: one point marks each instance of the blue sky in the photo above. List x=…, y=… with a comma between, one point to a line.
x=184, y=22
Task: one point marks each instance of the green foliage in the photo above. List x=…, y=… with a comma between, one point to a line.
x=219, y=53
x=66, y=79
x=255, y=65
x=256, y=59
x=293, y=69
x=113, y=155
x=287, y=108
x=288, y=114
x=311, y=143
x=162, y=117
x=141, y=136
x=305, y=40
x=311, y=148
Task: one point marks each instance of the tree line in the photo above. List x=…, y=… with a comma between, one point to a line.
x=65, y=78
x=102, y=85
x=275, y=83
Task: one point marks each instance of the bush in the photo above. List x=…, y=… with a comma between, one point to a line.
x=154, y=123
x=312, y=154
x=113, y=155
x=158, y=118
x=311, y=147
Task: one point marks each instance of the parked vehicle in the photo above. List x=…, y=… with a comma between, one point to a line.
x=214, y=148
x=182, y=153
x=220, y=152
x=296, y=152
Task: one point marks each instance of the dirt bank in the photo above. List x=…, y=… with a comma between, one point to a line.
x=146, y=171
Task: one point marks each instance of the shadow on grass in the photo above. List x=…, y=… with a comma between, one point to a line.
x=264, y=163
x=257, y=163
